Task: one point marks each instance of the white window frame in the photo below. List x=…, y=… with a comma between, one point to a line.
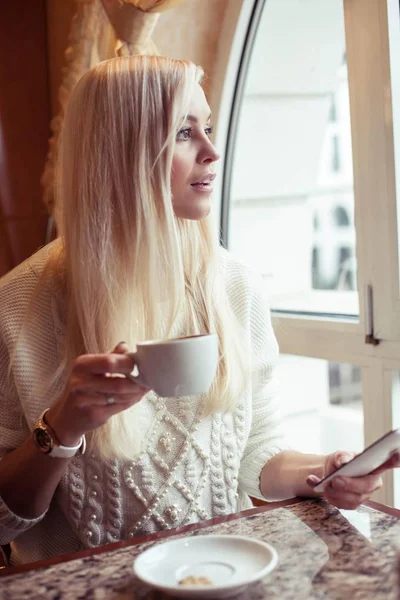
x=368, y=41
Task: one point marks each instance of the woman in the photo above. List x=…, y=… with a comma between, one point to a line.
x=137, y=259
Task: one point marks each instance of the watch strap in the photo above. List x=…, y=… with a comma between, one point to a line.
x=58, y=450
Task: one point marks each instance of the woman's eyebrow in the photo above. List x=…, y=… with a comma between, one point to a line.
x=195, y=119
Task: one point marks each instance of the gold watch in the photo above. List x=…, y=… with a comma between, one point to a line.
x=48, y=443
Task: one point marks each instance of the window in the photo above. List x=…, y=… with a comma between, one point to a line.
x=335, y=165
x=341, y=217
x=309, y=200
x=326, y=415
x=292, y=163
x=333, y=111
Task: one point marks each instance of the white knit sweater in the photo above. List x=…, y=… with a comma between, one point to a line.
x=189, y=469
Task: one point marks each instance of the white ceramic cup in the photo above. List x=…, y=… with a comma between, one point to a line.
x=183, y=366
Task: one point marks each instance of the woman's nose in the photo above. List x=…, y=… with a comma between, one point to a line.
x=210, y=154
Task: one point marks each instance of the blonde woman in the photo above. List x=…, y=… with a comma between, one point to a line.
x=138, y=258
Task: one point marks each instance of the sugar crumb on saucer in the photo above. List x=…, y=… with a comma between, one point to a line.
x=192, y=580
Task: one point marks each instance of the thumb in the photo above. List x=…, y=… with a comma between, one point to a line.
x=120, y=348
x=341, y=458
x=336, y=460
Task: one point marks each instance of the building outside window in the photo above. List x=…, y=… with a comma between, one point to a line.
x=309, y=200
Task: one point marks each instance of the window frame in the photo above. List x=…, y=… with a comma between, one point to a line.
x=333, y=337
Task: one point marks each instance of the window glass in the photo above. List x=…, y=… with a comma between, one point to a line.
x=291, y=212
x=321, y=404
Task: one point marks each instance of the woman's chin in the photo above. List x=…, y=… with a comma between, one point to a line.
x=196, y=211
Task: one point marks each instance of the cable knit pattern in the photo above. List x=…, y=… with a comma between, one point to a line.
x=190, y=468
x=94, y=503
x=230, y=459
x=217, y=488
x=76, y=486
x=113, y=498
x=239, y=420
x=184, y=410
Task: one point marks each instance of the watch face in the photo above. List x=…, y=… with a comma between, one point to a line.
x=43, y=440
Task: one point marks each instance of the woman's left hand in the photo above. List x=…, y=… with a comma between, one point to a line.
x=350, y=492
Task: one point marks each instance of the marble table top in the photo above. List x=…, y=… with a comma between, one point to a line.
x=323, y=553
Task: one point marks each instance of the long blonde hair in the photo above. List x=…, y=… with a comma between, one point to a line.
x=133, y=271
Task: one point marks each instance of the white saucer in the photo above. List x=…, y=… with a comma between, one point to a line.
x=231, y=562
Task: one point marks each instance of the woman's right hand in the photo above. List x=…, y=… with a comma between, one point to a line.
x=85, y=404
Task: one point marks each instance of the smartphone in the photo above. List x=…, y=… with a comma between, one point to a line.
x=370, y=459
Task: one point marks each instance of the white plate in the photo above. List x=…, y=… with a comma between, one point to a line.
x=231, y=562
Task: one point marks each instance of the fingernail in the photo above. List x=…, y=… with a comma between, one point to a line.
x=312, y=480
x=338, y=483
x=342, y=459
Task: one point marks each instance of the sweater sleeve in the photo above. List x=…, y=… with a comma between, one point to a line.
x=266, y=435
x=13, y=432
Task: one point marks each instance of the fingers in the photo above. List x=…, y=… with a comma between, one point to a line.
x=120, y=402
x=348, y=500
x=105, y=373
x=336, y=460
x=312, y=480
x=348, y=492
x=101, y=384
x=83, y=406
x=121, y=348
x=392, y=463
x=99, y=364
x=341, y=458
x=88, y=414
x=356, y=485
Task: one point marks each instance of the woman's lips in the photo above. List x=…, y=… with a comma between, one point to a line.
x=205, y=184
x=202, y=187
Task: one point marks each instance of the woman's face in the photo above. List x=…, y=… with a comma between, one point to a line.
x=193, y=162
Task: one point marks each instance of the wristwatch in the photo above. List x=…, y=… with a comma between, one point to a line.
x=48, y=443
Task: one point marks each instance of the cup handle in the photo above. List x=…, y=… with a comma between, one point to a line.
x=136, y=378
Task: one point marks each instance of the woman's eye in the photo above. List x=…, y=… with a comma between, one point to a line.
x=184, y=134
x=209, y=130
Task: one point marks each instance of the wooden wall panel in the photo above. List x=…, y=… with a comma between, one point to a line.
x=59, y=17
x=24, y=128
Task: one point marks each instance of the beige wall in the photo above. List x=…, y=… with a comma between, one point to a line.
x=190, y=31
